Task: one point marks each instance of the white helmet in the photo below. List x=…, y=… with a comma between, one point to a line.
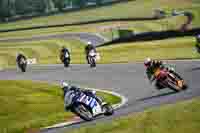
x=89, y=43
x=147, y=62
x=65, y=84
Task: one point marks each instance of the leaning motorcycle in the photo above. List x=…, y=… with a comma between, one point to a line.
x=167, y=79
x=22, y=64
x=87, y=107
x=92, y=58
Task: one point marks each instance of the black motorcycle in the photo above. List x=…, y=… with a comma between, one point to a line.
x=66, y=59
x=22, y=64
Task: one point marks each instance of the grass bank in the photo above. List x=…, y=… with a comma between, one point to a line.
x=47, y=52
x=177, y=48
x=182, y=117
x=32, y=105
x=103, y=28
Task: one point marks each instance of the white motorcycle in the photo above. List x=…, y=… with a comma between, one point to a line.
x=86, y=107
x=92, y=58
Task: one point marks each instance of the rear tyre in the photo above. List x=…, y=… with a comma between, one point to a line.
x=83, y=112
x=66, y=63
x=92, y=62
x=23, y=67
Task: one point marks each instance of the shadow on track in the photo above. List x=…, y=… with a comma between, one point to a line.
x=154, y=35
x=157, y=96
x=195, y=69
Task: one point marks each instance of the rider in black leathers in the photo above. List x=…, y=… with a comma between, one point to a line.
x=63, y=51
x=19, y=57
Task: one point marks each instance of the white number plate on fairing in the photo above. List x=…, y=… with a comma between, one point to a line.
x=91, y=102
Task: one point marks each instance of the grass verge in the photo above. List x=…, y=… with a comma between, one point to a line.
x=103, y=28
x=47, y=52
x=29, y=105
x=177, y=48
x=182, y=117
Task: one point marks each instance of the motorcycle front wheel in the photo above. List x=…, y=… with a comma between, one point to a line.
x=108, y=109
x=83, y=112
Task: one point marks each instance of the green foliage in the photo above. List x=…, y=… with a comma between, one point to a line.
x=59, y=4
x=30, y=6
x=4, y=10
x=79, y=3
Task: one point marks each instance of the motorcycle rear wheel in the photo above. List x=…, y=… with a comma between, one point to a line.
x=23, y=67
x=92, y=62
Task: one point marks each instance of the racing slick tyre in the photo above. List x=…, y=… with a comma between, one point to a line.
x=92, y=62
x=23, y=67
x=177, y=83
x=83, y=112
x=66, y=63
x=108, y=109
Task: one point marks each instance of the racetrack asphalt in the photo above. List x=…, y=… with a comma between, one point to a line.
x=126, y=79
x=95, y=39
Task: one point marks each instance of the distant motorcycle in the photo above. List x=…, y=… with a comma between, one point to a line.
x=87, y=107
x=66, y=59
x=92, y=58
x=22, y=64
x=167, y=79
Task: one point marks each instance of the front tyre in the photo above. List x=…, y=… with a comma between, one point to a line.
x=83, y=112
x=176, y=83
x=108, y=109
x=92, y=62
x=23, y=67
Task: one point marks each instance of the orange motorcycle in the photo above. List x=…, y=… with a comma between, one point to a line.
x=167, y=79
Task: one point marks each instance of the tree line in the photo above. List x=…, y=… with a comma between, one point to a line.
x=10, y=8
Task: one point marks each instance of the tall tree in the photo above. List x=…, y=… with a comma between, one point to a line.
x=50, y=7
x=4, y=8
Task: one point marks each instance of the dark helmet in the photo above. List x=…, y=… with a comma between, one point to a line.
x=147, y=62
